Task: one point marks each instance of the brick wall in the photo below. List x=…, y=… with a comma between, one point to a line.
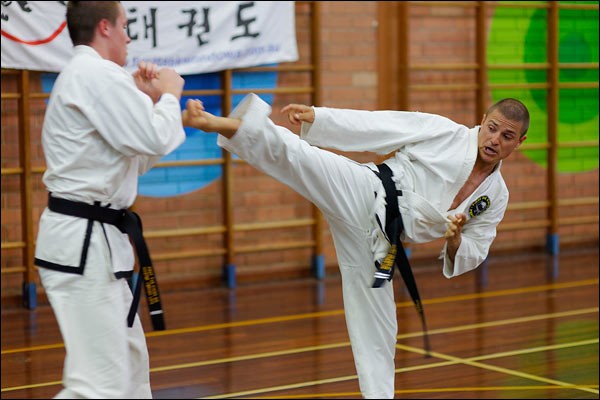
x=349, y=80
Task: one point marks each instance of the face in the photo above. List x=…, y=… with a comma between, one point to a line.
x=119, y=38
x=498, y=137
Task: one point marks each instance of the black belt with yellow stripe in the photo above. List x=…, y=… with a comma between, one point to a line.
x=396, y=255
x=130, y=223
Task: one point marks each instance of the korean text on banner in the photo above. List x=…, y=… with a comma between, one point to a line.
x=191, y=37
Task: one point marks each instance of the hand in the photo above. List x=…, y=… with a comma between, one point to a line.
x=455, y=225
x=454, y=234
x=194, y=115
x=298, y=113
x=147, y=70
x=167, y=80
x=144, y=77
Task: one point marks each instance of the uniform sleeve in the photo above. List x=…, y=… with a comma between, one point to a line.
x=128, y=120
x=477, y=236
x=379, y=132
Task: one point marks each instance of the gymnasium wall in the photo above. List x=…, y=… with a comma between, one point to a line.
x=349, y=79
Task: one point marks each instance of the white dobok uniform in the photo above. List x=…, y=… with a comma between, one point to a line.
x=434, y=157
x=100, y=133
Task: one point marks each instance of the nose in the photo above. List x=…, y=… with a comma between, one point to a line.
x=495, y=139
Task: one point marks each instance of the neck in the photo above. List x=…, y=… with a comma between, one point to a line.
x=483, y=168
x=101, y=47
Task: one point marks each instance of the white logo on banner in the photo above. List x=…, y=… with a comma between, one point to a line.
x=190, y=36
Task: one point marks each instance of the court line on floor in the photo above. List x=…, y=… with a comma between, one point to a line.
x=345, y=395
x=339, y=312
x=474, y=361
x=399, y=337
x=450, y=360
x=345, y=344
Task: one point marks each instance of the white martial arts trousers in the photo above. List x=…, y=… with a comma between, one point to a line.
x=104, y=358
x=344, y=191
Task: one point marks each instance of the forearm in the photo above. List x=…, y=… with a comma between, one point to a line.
x=226, y=126
x=452, y=247
x=194, y=116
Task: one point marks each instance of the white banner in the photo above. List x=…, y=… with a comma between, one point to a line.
x=190, y=36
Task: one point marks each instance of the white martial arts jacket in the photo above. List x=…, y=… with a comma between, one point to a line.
x=100, y=133
x=433, y=159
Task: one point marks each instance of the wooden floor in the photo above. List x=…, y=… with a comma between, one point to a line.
x=523, y=326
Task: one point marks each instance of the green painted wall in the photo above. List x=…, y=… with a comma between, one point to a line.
x=518, y=35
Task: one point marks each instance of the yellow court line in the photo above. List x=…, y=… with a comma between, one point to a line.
x=322, y=314
x=532, y=318
x=31, y=386
x=449, y=361
x=509, y=292
x=283, y=387
x=251, y=357
x=492, y=388
x=497, y=293
x=344, y=344
x=345, y=395
x=34, y=348
x=473, y=361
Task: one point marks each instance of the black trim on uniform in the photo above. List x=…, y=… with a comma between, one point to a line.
x=58, y=267
x=123, y=274
x=68, y=268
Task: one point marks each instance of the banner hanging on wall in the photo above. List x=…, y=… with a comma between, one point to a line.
x=190, y=36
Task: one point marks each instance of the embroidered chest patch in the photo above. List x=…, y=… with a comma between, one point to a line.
x=479, y=206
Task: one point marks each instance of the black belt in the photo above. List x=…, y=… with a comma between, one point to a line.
x=130, y=223
x=396, y=255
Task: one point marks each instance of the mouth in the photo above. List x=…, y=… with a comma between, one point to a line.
x=489, y=151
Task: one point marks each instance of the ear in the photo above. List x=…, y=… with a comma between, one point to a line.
x=483, y=119
x=103, y=27
x=521, y=140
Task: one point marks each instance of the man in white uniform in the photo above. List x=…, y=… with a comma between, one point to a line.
x=448, y=183
x=102, y=129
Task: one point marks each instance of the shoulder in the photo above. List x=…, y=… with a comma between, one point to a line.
x=87, y=63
